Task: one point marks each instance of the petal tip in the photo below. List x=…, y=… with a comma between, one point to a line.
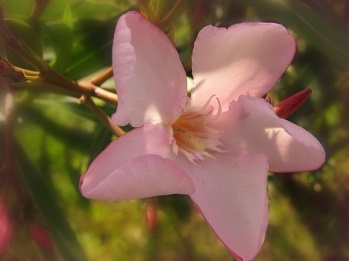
x=82, y=187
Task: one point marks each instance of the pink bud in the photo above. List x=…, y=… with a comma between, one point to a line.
x=6, y=228
x=41, y=237
x=151, y=216
x=288, y=106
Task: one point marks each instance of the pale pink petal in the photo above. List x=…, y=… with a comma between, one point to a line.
x=149, y=77
x=136, y=165
x=246, y=58
x=142, y=177
x=251, y=126
x=231, y=193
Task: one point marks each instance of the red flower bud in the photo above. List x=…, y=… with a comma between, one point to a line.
x=6, y=228
x=151, y=216
x=41, y=237
x=288, y=106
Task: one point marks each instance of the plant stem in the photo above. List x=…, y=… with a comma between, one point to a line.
x=104, y=76
x=45, y=76
x=101, y=115
x=47, y=73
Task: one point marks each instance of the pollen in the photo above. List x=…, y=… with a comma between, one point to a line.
x=187, y=138
x=194, y=135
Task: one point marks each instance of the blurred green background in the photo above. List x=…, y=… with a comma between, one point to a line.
x=57, y=137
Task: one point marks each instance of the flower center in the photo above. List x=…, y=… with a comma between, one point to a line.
x=194, y=135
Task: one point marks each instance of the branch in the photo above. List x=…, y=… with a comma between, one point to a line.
x=105, y=119
x=103, y=77
x=47, y=74
x=48, y=79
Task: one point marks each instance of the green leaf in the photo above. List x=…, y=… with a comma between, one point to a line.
x=57, y=126
x=320, y=32
x=60, y=37
x=23, y=31
x=55, y=9
x=66, y=243
x=68, y=17
x=93, y=49
x=86, y=9
x=15, y=8
x=101, y=10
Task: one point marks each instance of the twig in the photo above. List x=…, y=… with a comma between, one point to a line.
x=27, y=72
x=103, y=77
x=46, y=72
x=105, y=119
x=89, y=89
x=47, y=76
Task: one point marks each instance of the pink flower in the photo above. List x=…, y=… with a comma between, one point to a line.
x=216, y=146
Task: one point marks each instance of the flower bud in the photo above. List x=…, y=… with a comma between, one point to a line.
x=41, y=237
x=151, y=216
x=288, y=106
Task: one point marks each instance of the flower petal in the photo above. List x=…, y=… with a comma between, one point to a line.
x=149, y=76
x=251, y=126
x=142, y=177
x=136, y=165
x=231, y=193
x=246, y=58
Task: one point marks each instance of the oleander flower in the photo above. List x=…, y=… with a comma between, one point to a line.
x=216, y=146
